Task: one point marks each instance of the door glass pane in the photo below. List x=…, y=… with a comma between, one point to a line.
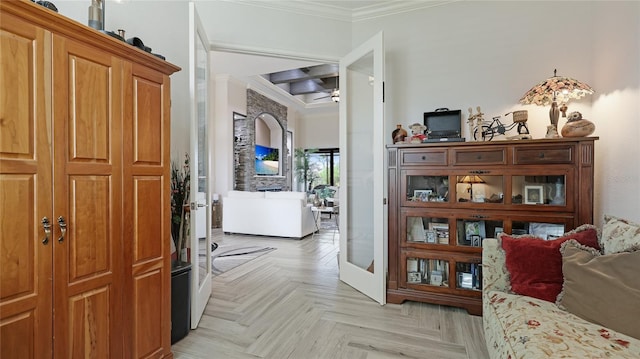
x=360, y=176
x=202, y=155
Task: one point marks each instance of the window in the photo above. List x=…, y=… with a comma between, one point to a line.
x=325, y=167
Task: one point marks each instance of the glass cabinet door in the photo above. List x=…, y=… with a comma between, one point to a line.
x=479, y=188
x=421, y=189
x=540, y=190
x=425, y=228
x=428, y=271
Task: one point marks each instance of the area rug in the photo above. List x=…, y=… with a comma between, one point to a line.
x=227, y=257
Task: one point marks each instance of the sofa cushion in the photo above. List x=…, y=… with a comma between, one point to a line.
x=245, y=194
x=603, y=289
x=522, y=327
x=535, y=264
x=619, y=235
x=286, y=195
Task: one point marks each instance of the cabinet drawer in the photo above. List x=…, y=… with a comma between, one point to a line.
x=541, y=155
x=437, y=157
x=494, y=156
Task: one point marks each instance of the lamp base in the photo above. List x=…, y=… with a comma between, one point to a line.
x=580, y=128
x=552, y=132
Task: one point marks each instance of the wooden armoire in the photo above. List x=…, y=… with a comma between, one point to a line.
x=84, y=191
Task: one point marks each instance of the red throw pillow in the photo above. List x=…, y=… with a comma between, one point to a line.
x=535, y=264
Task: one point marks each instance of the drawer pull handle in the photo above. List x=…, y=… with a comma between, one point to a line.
x=479, y=157
x=478, y=216
x=541, y=155
x=424, y=158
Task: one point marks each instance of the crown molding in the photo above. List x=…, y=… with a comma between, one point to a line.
x=394, y=7
x=325, y=10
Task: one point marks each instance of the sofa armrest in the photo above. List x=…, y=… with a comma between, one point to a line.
x=494, y=272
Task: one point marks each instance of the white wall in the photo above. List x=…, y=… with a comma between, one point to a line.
x=230, y=97
x=319, y=131
x=278, y=31
x=488, y=54
x=616, y=107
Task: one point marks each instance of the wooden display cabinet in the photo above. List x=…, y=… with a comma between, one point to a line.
x=446, y=198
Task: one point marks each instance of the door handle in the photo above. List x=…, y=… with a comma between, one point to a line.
x=195, y=205
x=46, y=225
x=63, y=228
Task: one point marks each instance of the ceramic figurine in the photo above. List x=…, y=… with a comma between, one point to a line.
x=399, y=134
x=577, y=126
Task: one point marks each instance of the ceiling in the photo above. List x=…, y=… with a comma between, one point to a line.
x=309, y=83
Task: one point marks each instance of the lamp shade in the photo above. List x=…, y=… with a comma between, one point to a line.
x=471, y=179
x=556, y=88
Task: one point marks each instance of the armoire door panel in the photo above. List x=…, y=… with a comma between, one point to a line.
x=89, y=106
x=148, y=313
x=18, y=251
x=89, y=233
x=148, y=215
x=89, y=322
x=16, y=111
x=26, y=196
x=17, y=335
x=147, y=117
x=88, y=195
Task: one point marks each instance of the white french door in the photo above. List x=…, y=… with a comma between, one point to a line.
x=362, y=251
x=200, y=198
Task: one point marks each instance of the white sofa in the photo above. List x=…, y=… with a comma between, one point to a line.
x=519, y=326
x=281, y=214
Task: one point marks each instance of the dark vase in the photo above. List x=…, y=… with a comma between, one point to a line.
x=399, y=134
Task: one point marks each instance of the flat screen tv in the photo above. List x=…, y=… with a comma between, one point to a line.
x=267, y=161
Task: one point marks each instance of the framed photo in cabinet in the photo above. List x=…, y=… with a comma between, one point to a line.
x=414, y=277
x=474, y=228
x=533, y=195
x=422, y=195
x=432, y=236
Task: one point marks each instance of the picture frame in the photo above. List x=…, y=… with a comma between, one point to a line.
x=534, y=194
x=474, y=228
x=476, y=240
x=422, y=195
x=436, y=278
x=465, y=280
x=414, y=277
x=432, y=236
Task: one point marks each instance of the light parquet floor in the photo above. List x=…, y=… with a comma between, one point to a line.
x=289, y=303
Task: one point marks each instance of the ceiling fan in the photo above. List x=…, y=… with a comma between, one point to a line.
x=334, y=95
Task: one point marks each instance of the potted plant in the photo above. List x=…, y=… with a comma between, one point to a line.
x=305, y=172
x=180, y=190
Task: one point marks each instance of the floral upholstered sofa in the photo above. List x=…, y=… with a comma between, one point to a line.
x=580, y=322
